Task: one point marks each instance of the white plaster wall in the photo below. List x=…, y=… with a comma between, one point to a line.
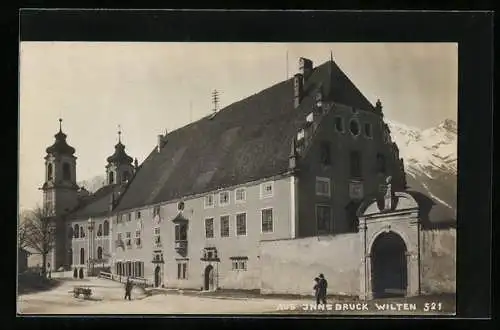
x=289, y=266
x=438, y=260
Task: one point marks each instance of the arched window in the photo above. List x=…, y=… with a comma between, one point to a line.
x=381, y=163
x=82, y=232
x=70, y=257
x=126, y=176
x=82, y=256
x=99, y=253
x=106, y=228
x=111, y=177
x=50, y=172
x=70, y=232
x=66, y=172
x=76, y=231
x=99, y=230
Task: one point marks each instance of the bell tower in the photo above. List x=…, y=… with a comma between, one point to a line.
x=60, y=188
x=119, y=168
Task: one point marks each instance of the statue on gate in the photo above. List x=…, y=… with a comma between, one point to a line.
x=388, y=194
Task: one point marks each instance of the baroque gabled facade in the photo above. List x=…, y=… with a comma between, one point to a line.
x=297, y=160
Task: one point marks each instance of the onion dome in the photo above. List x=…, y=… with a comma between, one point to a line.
x=120, y=156
x=60, y=146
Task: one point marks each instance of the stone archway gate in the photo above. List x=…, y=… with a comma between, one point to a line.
x=398, y=214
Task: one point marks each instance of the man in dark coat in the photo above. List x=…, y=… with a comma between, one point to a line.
x=316, y=289
x=322, y=286
x=128, y=289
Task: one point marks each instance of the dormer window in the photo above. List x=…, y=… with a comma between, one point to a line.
x=354, y=127
x=156, y=211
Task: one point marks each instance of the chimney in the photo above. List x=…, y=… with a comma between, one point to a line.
x=161, y=142
x=298, y=89
x=305, y=67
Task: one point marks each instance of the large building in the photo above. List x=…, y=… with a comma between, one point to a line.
x=226, y=201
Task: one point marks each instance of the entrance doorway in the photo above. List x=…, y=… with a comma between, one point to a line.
x=389, y=266
x=157, y=276
x=209, y=278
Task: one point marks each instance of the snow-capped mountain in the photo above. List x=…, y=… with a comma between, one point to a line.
x=93, y=184
x=430, y=158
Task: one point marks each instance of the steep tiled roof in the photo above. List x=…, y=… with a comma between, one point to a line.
x=96, y=204
x=246, y=141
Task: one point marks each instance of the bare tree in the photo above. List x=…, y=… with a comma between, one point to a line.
x=37, y=233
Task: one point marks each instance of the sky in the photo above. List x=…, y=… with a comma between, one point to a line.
x=148, y=88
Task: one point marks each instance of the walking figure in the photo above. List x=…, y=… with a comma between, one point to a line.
x=128, y=289
x=316, y=290
x=322, y=286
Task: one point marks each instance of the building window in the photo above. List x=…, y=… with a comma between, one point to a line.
x=381, y=163
x=99, y=230
x=354, y=127
x=50, y=172
x=182, y=270
x=325, y=156
x=181, y=232
x=266, y=190
x=106, y=228
x=368, y=130
x=209, y=228
x=138, y=238
x=239, y=263
x=76, y=231
x=267, y=220
x=240, y=195
x=137, y=215
x=156, y=237
x=223, y=198
x=156, y=211
x=111, y=177
x=323, y=218
x=66, y=172
x=323, y=187
x=224, y=226
x=209, y=201
x=241, y=224
x=139, y=268
x=99, y=253
x=82, y=256
x=82, y=232
x=339, y=124
x=129, y=217
x=119, y=237
x=119, y=219
x=128, y=240
x=355, y=162
x=210, y=253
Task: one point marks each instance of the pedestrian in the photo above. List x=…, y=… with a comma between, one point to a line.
x=316, y=289
x=128, y=289
x=48, y=269
x=322, y=286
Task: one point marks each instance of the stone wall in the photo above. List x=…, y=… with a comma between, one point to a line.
x=289, y=266
x=438, y=260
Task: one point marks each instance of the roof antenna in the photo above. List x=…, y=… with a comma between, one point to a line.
x=287, y=64
x=215, y=100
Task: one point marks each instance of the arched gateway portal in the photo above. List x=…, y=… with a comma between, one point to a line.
x=389, y=266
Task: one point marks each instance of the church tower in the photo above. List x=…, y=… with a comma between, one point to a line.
x=119, y=169
x=60, y=188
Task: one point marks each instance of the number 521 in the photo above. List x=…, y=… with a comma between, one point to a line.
x=433, y=306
